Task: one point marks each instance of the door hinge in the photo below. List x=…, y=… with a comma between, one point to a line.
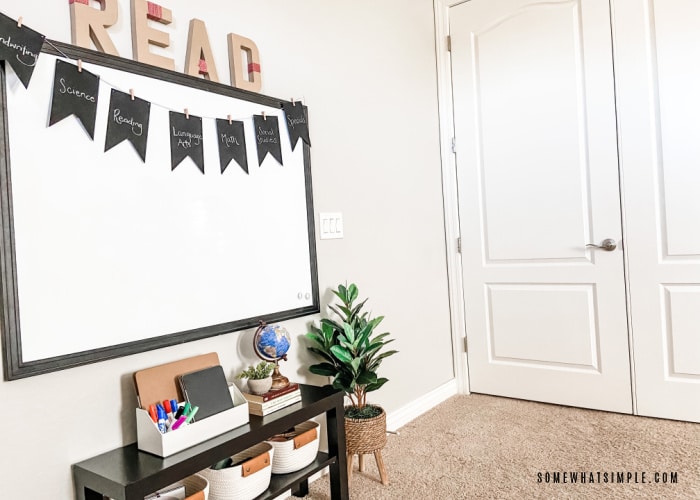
x=454, y=144
x=459, y=245
x=466, y=346
x=449, y=43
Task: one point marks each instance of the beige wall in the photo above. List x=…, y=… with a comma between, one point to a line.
x=366, y=69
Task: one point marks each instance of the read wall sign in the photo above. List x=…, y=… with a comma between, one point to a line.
x=89, y=25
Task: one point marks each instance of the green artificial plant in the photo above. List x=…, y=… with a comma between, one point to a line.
x=350, y=351
x=260, y=371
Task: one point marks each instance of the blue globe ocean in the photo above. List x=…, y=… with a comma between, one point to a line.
x=272, y=342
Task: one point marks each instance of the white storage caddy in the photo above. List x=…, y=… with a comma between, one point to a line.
x=243, y=481
x=296, y=453
x=151, y=440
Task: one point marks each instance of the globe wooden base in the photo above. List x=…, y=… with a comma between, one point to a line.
x=279, y=381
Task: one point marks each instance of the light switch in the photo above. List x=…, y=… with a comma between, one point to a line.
x=331, y=225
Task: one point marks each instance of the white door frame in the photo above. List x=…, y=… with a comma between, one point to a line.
x=449, y=193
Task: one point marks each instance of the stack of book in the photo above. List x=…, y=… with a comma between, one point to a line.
x=263, y=404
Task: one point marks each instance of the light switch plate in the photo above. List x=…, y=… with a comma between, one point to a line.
x=331, y=225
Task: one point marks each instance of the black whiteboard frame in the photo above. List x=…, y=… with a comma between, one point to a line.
x=13, y=366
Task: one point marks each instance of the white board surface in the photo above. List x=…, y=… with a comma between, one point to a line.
x=111, y=250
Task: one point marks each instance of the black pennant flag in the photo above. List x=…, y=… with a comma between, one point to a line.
x=128, y=120
x=74, y=93
x=267, y=137
x=297, y=123
x=231, y=144
x=186, y=139
x=19, y=46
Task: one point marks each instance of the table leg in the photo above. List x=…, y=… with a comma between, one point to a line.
x=302, y=489
x=85, y=493
x=335, y=423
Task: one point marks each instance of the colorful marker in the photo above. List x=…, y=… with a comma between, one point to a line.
x=180, y=411
x=153, y=413
x=191, y=414
x=168, y=411
x=178, y=423
x=162, y=419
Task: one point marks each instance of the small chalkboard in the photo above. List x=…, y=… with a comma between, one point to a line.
x=232, y=146
x=186, y=139
x=267, y=137
x=297, y=123
x=128, y=120
x=75, y=92
x=19, y=46
x=208, y=390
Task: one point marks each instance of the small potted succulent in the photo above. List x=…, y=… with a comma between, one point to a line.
x=259, y=377
x=352, y=354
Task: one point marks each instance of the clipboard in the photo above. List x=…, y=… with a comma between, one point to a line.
x=207, y=389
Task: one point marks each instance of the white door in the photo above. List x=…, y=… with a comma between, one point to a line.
x=537, y=167
x=657, y=56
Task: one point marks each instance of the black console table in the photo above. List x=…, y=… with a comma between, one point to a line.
x=129, y=474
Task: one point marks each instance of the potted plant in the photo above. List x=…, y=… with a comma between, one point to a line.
x=259, y=377
x=352, y=354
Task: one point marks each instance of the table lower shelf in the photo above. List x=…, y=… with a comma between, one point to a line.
x=283, y=482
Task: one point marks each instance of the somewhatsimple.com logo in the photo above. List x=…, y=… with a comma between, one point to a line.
x=598, y=477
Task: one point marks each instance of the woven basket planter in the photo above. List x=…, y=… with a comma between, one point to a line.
x=297, y=452
x=365, y=435
x=244, y=481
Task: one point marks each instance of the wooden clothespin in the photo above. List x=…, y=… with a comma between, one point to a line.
x=187, y=113
x=230, y=121
x=293, y=102
x=19, y=22
x=131, y=92
x=80, y=65
x=264, y=116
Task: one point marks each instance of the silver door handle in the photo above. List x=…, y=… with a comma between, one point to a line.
x=607, y=244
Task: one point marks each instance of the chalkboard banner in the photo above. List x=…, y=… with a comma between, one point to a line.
x=186, y=139
x=74, y=93
x=267, y=137
x=297, y=123
x=19, y=46
x=231, y=144
x=128, y=120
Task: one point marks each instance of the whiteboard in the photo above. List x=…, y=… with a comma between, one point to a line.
x=113, y=255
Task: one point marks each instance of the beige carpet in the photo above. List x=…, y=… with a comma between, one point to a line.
x=488, y=447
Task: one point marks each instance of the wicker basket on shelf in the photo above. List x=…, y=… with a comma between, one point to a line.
x=244, y=481
x=196, y=487
x=296, y=451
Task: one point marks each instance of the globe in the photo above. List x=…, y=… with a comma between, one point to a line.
x=271, y=343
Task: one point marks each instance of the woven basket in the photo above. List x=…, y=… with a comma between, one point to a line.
x=196, y=488
x=242, y=482
x=194, y=485
x=365, y=435
x=296, y=453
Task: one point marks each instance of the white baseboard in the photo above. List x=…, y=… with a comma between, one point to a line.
x=405, y=414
